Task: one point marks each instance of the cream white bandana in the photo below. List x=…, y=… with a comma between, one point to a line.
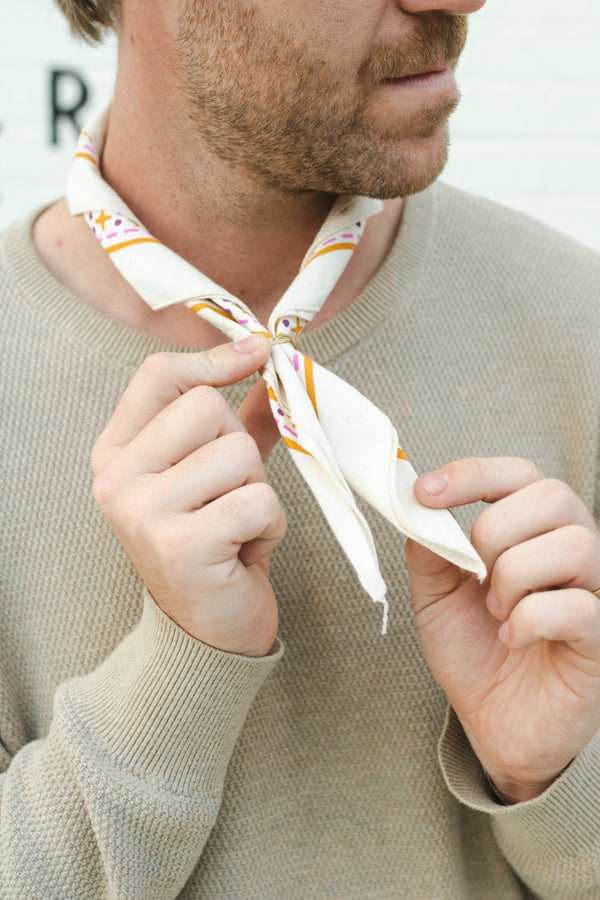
x=338, y=439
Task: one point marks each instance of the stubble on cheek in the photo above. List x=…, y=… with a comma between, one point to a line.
x=256, y=95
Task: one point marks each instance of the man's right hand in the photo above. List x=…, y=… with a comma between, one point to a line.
x=183, y=485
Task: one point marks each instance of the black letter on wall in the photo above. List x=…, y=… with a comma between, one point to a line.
x=66, y=108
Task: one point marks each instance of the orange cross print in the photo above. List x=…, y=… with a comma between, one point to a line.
x=102, y=219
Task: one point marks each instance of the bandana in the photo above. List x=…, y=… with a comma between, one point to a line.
x=340, y=441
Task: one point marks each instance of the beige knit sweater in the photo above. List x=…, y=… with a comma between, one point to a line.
x=139, y=763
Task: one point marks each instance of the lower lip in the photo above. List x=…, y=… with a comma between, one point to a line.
x=438, y=82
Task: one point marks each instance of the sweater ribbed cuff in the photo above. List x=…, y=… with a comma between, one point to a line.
x=551, y=840
x=462, y=771
x=164, y=706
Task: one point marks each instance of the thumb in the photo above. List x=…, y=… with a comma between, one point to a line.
x=256, y=416
x=164, y=377
x=431, y=577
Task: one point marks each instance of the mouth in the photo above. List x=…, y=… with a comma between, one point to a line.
x=439, y=77
x=424, y=72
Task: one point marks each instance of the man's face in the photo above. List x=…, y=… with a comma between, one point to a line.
x=309, y=100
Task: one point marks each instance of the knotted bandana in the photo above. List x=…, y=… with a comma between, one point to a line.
x=338, y=439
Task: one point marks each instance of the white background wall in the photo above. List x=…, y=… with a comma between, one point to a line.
x=527, y=132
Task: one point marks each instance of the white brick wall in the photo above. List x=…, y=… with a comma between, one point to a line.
x=527, y=132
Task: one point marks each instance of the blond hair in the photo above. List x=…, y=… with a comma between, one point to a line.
x=89, y=18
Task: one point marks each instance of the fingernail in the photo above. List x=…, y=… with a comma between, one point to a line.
x=434, y=483
x=493, y=605
x=504, y=634
x=248, y=344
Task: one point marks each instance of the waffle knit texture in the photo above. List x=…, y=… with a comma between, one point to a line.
x=138, y=762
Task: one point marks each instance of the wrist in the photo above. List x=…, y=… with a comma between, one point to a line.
x=513, y=781
x=509, y=792
x=235, y=621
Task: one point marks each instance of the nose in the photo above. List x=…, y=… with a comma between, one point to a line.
x=450, y=7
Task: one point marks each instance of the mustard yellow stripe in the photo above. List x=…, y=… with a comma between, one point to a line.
x=309, y=377
x=220, y=312
x=85, y=156
x=294, y=446
x=142, y=240
x=330, y=250
x=402, y=455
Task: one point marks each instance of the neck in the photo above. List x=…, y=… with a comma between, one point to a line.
x=247, y=237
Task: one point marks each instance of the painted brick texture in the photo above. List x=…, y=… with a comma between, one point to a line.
x=527, y=132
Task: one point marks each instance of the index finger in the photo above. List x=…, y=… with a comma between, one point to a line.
x=478, y=478
x=163, y=377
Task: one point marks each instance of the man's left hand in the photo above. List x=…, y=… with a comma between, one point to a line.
x=519, y=656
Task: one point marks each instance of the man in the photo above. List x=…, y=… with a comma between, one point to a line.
x=146, y=753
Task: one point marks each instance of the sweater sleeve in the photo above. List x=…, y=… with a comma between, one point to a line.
x=120, y=797
x=551, y=842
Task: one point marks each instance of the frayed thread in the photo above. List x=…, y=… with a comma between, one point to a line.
x=385, y=614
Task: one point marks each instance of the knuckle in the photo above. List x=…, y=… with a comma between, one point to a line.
x=127, y=507
x=264, y=497
x=482, y=530
x=158, y=367
x=242, y=445
x=558, y=495
x=500, y=579
x=530, y=470
x=209, y=363
x=581, y=545
x=477, y=465
x=469, y=467
x=208, y=400
x=105, y=488
x=525, y=615
x=274, y=507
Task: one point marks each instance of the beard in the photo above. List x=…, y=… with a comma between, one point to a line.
x=262, y=100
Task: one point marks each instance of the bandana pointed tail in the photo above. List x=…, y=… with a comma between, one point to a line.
x=365, y=446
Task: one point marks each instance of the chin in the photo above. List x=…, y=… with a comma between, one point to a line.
x=397, y=169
